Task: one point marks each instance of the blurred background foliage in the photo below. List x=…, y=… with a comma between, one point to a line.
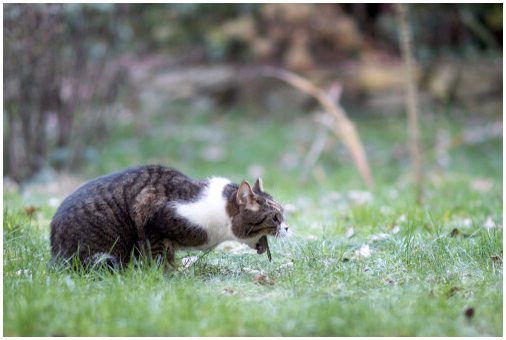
x=72, y=71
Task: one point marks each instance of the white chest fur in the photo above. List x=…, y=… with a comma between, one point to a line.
x=209, y=212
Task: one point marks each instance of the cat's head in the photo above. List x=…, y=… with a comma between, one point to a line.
x=254, y=214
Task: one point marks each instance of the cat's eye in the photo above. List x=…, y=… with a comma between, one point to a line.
x=276, y=219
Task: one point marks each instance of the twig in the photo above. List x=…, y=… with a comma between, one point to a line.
x=314, y=152
x=343, y=128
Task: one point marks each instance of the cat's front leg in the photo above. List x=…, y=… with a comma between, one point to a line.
x=169, y=255
x=163, y=251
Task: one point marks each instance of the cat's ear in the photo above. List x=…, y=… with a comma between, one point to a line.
x=258, y=186
x=245, y=196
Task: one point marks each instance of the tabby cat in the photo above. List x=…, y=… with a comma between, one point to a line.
x=156, y=210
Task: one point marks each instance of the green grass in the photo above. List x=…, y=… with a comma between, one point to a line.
x=417, y=281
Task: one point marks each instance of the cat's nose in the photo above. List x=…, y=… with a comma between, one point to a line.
x=283, y=229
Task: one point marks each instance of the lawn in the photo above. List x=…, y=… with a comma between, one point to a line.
x=360, y=262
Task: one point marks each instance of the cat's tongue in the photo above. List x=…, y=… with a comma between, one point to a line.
x=263, y=246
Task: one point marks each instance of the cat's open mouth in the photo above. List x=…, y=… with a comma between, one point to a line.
x=262, y=246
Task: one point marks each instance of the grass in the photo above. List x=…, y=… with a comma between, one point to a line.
x=419, y=279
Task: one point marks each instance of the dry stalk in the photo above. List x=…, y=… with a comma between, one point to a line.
x=317, y=146
x=411, y=98
x=343, y=127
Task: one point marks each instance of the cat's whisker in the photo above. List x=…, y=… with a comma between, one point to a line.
x=292, y=241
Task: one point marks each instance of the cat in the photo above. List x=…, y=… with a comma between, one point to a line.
x=157, y=210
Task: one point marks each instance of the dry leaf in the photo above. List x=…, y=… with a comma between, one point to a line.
x=455, y=232
x=263, y=279
x=469, y=312
x=349, y=232
x=188, y=261
x=489, y=223
x=251, y=271
x=288, y=265
x=365, y=251
x=30, y=210
x=402, y=218
x=496, y=259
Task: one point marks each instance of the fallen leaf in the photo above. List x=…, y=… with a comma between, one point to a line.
x=402, y=218
x=188, y=261
x=250, y=270
x=489, y=223
x=285, y=266
x=349, y=232
x=364, y=251
x=469, y=312
x=496, y=258
x=455, y=232
x=69, y=282
x=30, y=210
x=263, y=279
